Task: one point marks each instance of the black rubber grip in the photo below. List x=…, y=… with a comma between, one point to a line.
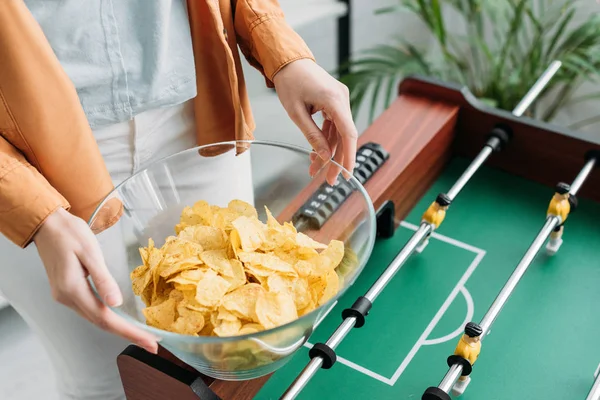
x=501, y=132
x=325, y=352
x=435, y=393
x=466, y=365
x=359, y=310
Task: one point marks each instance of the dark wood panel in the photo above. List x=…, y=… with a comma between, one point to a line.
x=545, y=153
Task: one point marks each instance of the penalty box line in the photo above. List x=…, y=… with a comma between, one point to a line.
x=423, y=339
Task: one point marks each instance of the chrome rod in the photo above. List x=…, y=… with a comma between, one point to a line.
x=469, y=172
x=537, y=88
x=582, y=176
x=494, y=310
x=450, y=378
x=424, y=230
x=490, y=316
x=313, y=366
x=594, y=393
x=346, y=326
x=523, y=105
x=308, y=372
x=399, y=260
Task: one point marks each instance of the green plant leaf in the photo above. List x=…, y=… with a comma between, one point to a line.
x=440, y=29
x=558, y=34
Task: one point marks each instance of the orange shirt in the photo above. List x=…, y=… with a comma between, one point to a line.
x=48, y=155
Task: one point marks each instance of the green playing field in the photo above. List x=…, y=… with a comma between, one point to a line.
x=544, y=344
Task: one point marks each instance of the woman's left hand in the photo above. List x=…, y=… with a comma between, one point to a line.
x=304, y=88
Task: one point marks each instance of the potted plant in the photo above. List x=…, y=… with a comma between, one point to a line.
x=497, y=48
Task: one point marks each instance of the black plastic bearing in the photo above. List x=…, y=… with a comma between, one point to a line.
x=325, y=352
x=435, y=393
x=359, y=310
x=501, y=132
x=464, y=363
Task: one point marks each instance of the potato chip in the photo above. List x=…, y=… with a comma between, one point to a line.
x=275, y=309
x=161, y=316
x=334, y=252
x=242, y=301
x=242, y=208
x=267, y=261
x=250, y=231
x=218, y=261
x=180, y=266
x=209, y=237
x=204, y=211
x=297, y=287
x=211, y=289
x=228, y=328
x=305, y=241
x=189, y=324
x=331, y=287
x=250, y=328
x=227, y=273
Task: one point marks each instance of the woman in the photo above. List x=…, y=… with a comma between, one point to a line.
x=84, y=89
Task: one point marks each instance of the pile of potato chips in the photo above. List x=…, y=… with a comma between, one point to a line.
x=227, y=273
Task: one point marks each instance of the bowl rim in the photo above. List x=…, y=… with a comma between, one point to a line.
x=188, y=339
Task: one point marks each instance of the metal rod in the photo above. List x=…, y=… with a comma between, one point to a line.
x=523, y=105
x=424, y=229
x=399, y=260
x=311, y=369
x=537, y=88
x=583, y=174
x=346, y=326
x=490, y=316
x=313, y=366
x=469, y=172
x=494, y=310
x=594, y=393
x=450, y=378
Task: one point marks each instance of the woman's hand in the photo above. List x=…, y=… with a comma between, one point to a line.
x=70, y=252
x=304, y=88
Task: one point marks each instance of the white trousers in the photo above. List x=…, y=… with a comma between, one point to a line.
x=83, y=356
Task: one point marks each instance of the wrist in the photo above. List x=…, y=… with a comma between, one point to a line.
x=53, y=221
x=291, y=67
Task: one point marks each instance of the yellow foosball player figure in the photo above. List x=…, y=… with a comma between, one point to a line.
x=468, y=348
x=560, y=206
x=434, y=215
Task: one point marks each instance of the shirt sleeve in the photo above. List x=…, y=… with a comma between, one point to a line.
x=265, y=38
x=26, y=197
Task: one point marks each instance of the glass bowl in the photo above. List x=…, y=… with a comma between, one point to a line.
x=263, y=174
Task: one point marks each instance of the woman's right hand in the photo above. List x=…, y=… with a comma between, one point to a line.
x=70, y=252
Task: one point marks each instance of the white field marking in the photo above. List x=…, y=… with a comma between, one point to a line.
x=438, y=316
x=349, y=363
x=461, y=327
x=423, y=339
x=445, y=239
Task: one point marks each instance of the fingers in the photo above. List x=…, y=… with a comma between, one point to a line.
x=342, y=119
x=316, y=161
x=72, y=289
x=103, y=317
x=334, y=170
x=93, y=261
x=311, y=131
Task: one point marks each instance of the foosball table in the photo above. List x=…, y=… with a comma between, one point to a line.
x=472, y=231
